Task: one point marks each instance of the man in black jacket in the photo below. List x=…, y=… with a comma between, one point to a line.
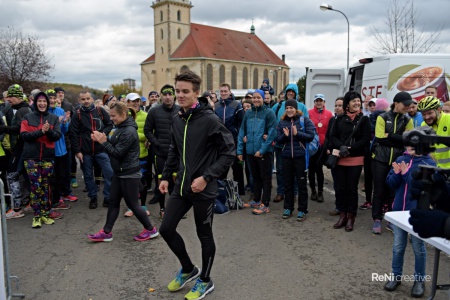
x=200, y=151
x=85, y=121
x=157, y=130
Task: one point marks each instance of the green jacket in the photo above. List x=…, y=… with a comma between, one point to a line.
x=141, y=116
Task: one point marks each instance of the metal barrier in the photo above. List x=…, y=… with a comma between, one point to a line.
x=6, y=291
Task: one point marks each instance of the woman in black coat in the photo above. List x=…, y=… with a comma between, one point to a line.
x=123, y=149
x=349, y=139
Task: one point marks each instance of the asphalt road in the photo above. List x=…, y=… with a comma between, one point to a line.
x=258, y=257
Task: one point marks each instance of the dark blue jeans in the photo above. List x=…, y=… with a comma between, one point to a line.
x=295, y=168
x=88, y=171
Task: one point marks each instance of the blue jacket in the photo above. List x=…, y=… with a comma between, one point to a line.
x=60, y=145
x=404, y=200
x=294, y=146
x=281, y=110
x=231, y=113
x=257, y=122
x=417, y=119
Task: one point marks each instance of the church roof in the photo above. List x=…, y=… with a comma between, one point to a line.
x=218, y=43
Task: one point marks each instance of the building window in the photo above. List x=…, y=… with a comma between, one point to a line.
x=179, y=33
x=275, y=80
x=161, y=16
x=222, y=74
x=245, y=78
x=162, y=34
x=233, y=77
x=162, y=50
x=184, y=69
x=266, y=74
x=209, y=77
x=284, y=79
x=255, y=79
x=179, y=16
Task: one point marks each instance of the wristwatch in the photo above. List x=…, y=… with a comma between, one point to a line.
x=207, y=178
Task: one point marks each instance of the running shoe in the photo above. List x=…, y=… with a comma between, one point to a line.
x=301, y=216
x=47, y=221
x=70, y=198
x=55, y=215
x=12, y=214
x=161, y=214
x=376, y=227
x=61, y=205
x=261, y=210
x=182, y=278
x=129, y=213
x=73, y=183
x=252, y=204
x=36, y=222
x=28, y=208
x=287, y=214
x=366, y=205
x=200, y=290
x=100, y=236
x=146, y=234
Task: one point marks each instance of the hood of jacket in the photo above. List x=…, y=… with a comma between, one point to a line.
x=34, y=107
x=293, y=87
x=128, y=122
x=266, y=80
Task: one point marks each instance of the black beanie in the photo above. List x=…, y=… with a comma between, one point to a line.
x=291, y=102
x=59, y=89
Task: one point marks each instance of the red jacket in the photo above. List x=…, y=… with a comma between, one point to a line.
x=323, y=117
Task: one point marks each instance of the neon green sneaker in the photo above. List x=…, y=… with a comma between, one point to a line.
x=182, y=278
x=200, y=290
x=47, y=220
x=36, y=222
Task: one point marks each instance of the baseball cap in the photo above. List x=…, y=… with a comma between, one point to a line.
x=15, y=90
x=319, y=96
x=133, y=97
x=143, y=99
x=374, y=100
x=404, y=98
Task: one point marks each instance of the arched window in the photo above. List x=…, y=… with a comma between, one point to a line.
x=209, y=77
x=284, y=79
x=184, y=69
x=179, y=15
x=162, y=33
x=245, y=78
x=161, y=16
x=179, y=33
x=162, y=50
x=233, y=77
x=222, y=74
x=275, y=80
x=266, y=74
x=255, y=78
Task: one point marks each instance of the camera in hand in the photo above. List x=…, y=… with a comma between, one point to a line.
x=431, y=180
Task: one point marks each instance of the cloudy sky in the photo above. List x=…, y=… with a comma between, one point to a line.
x=100, y=42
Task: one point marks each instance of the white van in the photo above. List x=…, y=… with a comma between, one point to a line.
x=382, y=77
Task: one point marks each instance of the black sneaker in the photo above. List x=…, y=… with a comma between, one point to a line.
x=105, y=202
x=313, y=196
x=320, y=197
x=93, y=203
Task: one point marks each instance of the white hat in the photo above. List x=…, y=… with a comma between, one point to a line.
x=132, y=97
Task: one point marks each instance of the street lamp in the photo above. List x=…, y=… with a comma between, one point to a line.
x=329, y=7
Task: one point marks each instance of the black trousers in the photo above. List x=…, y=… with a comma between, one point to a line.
x=295, y=168
x=128, y=188
x=61, y=179
x=382, y=193
x=261, y=168
x=347, y=179
x=159, y=167
x=176, y=208
x=316, y=168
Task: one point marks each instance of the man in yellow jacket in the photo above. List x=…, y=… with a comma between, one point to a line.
x=432, y=116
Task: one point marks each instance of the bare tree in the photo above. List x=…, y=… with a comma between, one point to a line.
x=401, y=34
x=22, y=60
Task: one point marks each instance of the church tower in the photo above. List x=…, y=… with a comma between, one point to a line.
x=172, y=24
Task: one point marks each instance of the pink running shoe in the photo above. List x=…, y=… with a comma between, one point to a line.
x=146, y=234
x=101, y=236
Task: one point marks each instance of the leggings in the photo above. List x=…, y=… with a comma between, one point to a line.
x=128, y=188
x=176, y=208
x=39, y=172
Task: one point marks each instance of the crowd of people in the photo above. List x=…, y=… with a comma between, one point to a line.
x=184, y=143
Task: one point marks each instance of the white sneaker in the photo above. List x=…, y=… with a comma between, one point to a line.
x=11, y=214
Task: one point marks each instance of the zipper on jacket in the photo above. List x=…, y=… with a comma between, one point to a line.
x=40, y=152
x=184, y=155
x=392, y=148
x=292, y=138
